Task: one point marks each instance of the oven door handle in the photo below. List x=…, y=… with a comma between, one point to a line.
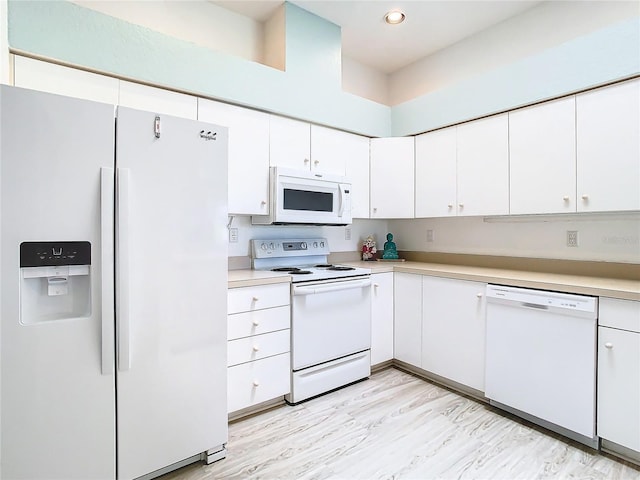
x=330, y=287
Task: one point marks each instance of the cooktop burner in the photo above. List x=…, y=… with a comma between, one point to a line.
x=286, y=269
x=323, y=265
x=301, y=272
x=338, y=268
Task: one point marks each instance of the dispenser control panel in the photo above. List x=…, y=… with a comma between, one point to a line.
x=50, y=254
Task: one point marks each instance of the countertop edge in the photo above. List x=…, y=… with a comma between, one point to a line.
x=584, y=285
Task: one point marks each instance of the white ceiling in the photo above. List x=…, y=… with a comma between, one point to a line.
x=430, y=25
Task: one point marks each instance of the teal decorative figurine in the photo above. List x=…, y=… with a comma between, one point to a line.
x=390, y=252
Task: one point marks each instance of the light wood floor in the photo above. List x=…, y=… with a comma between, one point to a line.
x=397, y=426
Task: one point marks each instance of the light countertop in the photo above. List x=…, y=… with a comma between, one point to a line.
x=597, y=286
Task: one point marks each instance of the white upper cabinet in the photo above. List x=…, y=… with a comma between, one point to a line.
x=483, y=167
x=542, y=148
x=436, y=173
x=158, y=100
x=608, y=148
x=299, y=145
x=355, y=150
x=331, y=149
x=71, y=82
x=248, y=154
x=290, y=143
x=392, y=177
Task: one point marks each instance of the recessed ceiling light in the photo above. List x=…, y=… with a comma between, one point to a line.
x=394, y=17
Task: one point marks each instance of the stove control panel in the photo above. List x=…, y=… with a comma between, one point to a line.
x=289, y=247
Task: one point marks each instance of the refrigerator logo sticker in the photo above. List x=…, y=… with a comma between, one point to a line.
x=208, y=135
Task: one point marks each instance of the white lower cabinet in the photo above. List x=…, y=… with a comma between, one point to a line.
x=453, y=330
x=259, y=342
x=407, y=318
x=619, y=373
x=381, y=317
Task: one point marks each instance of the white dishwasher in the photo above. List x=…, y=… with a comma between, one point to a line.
x=541, y=358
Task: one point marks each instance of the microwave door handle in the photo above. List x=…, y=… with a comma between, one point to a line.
x=342, y=200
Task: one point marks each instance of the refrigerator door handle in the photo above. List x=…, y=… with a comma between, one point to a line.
x=106, y=268
x=122, y=270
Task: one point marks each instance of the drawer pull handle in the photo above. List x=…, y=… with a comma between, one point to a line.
x=376, y=285
x=254, y=299
x=256, y=383
x=585, y=197
x=565, y=198
x=450, y=205
x=479, y=295
x=608, y=345
x=256, y=348
x=256, y=323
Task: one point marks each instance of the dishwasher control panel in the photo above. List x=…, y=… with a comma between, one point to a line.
x=542, y=299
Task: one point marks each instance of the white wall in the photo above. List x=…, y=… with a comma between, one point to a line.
x=364, y=81
x=197, y=21
x=542, y=27
x=610, y=237
x=360, y=229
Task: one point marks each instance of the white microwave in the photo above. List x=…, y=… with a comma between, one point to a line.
x=303, y=197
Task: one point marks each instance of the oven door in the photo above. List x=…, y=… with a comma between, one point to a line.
x=311, y=199
x=329, y=319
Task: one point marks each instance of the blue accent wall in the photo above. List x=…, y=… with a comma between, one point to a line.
x=310, y=88
x=609, y=54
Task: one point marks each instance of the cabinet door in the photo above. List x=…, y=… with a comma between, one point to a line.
x=382, y=317
x=392, y=177
x=407, y=318
x=542, y=150
x=619, y=387
x=70, y=82
x=328, y=150
x=357, y=171
x=152, y=99
x=608, y=148
x=290, y=143
x=248, y=155
x=453, y=329
x=483, y=167
x=436, y=173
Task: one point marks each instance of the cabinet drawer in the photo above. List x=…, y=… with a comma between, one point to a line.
x=622, y=314
x=246, y=299
x=256, y=347
x=255, y=382
x=240, y=325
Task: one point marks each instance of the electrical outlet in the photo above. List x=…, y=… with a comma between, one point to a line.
x=347, y=233
x=572, y=238
x=430, y=236
x=233, y=235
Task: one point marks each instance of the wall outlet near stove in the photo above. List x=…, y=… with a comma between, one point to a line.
x=347, y=233
x=572, y=238
x=430, y=236
x=233, y=235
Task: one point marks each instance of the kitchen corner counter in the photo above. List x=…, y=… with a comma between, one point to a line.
x=249, y=278
x=579, y=284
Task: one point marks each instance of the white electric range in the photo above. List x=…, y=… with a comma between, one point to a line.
x=330, y=314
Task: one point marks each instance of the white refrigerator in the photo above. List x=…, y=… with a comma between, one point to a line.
x=113, y=262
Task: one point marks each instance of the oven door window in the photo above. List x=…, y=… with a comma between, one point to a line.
x=307, y=200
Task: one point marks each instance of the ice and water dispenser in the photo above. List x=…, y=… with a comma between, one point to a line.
x=55, y=281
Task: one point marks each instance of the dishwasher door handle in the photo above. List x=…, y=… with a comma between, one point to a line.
x=537, y=306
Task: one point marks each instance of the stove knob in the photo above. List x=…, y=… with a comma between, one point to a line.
x=263, y=246
x=315, y=244
x=321, y=244
x=271, y=246
x=303, y=245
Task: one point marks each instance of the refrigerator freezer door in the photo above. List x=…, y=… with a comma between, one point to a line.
x=58, y=408
x=172, y=388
